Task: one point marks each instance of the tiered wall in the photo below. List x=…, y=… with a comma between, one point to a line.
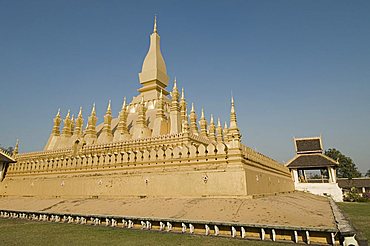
x=182, y=171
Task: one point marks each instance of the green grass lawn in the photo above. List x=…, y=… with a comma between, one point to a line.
x=359, y=215
x=25, y=232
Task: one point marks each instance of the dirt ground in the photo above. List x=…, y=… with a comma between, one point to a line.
x=296, y=209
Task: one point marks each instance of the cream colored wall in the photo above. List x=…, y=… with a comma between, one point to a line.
x=165, y=184
x=189, y=171
x=261, y=182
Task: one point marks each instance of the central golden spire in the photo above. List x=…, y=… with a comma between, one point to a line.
x=153, y=75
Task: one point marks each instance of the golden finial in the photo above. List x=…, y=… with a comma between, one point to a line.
x=68, y=113
x=218, y=122
x=155, y=24
x=202, y=114
x=182, y=93
x=192, y=107
x=124, y=103
x=80, y=112
x=109, y=108
x=56, y=126
x=16, y=148
x=225, y=126
x=232, y=105
x=175, y=83
x=93, y=109
x=211, y=122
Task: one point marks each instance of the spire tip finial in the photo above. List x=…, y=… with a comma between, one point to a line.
x=16, y=148
x=155, y=24
x=232, y=105
x=93, y=109
x=109, y=107
x=124, y=103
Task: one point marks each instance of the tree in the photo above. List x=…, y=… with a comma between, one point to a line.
x=347, y=168
x=367, y=173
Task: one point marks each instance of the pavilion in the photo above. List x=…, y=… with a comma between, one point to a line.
x=313, y=171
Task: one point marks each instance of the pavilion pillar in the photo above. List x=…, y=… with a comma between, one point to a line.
x=332, y=175
x=295, y=176
x=304, y=176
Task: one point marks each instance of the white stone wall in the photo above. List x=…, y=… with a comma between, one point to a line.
x=322, y=189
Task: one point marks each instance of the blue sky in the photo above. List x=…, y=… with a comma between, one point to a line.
x=296, y=68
